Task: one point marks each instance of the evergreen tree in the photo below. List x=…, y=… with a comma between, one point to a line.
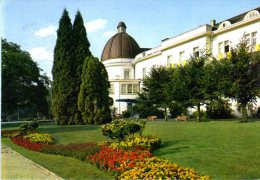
x=93, y=100
x=80, y=52
x=61, y=71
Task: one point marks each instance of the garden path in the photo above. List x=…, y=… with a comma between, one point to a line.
x=16, y=166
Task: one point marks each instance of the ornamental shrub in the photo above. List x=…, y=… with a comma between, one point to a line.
x=156, y=168
x=40, y=138
x=137, y=140
x=79, y=151
x=119, y=129
x=24, y=128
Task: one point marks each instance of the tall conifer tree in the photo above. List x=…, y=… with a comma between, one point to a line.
x=80, y=52
x=61, y=71
x=93, y=101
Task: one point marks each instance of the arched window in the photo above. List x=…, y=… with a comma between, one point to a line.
x=251, y=14
x=224, y=25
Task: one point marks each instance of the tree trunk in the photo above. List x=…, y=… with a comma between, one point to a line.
x=199, y=115
x=165, y=114
x=244, y=112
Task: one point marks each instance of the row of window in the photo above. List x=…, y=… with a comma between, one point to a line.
x=224, y=47
x=125, y=88
x=196, y=53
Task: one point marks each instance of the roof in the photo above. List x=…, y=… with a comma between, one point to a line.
x=120, y=45
x=237, y=18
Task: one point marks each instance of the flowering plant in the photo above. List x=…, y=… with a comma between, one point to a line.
x=137, y=140
x=156, y=168
x=117, y=161
x=20, y=141
x=10, y=133
x=40, y=138
x=119, y=129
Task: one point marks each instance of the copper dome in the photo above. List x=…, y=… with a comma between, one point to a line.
x=120, y=45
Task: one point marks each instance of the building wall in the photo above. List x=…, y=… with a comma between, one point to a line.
x=234, y=35
x=168, y=53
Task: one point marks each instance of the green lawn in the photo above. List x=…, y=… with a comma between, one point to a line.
x=220, y=149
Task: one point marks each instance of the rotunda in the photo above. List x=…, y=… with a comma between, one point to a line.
x=117, y=57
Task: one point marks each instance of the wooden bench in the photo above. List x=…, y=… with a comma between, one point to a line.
x=151, y=118
x=182, y=118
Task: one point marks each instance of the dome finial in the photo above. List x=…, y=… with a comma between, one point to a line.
x=121, y=27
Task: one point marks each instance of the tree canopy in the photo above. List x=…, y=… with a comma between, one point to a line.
x=22, y=84
x=93, y=100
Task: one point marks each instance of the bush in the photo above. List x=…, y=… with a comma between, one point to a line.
x=219, y=110
x=202, y=113
x=256, y=114
x=145, y=111
x=40, y=138
x=119, y=129
x=24, y=128
x=126, y=114
x=80, y=150
x=136, y=140
x=155, y=168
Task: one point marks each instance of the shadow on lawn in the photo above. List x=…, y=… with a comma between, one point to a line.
x=171, y=147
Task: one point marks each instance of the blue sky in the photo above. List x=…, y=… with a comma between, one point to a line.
x=33, y=23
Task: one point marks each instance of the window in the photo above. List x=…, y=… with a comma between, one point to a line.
x=129, y=88
x=111, y=89
x=196, y=52
x=247, y=37
x=123, y=88
x=251, y=14
x=220, y=47
x=169, y=60
x=181, y=55
x=226, y=44
x=126, y=74
x=144, y=73
x=253, y=40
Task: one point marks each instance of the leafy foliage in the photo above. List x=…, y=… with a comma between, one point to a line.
x=154, y=87
x=119, y=129
x=23, y=88
x=93, y=100
x=62, y=99
x=243, y=77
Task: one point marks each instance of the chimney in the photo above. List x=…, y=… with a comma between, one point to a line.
x=213, y=23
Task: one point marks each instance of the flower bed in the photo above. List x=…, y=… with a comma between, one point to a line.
x=156, y=168
x=10, y=133
x=80, y=151
x=117, y=161
x=40, y=138
x=137, y=140
x=20, y=141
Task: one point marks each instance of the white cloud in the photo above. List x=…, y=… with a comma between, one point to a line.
x=95, y=25
x=109, y=33
x=41, y=54
x=46, y=32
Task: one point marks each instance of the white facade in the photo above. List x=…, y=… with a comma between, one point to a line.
x=213, y=38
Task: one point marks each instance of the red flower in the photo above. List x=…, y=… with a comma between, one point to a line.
x=20, y=141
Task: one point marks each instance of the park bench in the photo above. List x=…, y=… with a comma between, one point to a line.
x=151, y=118
x=182, y=118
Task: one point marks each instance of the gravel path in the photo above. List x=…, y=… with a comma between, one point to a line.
x=16, y=166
